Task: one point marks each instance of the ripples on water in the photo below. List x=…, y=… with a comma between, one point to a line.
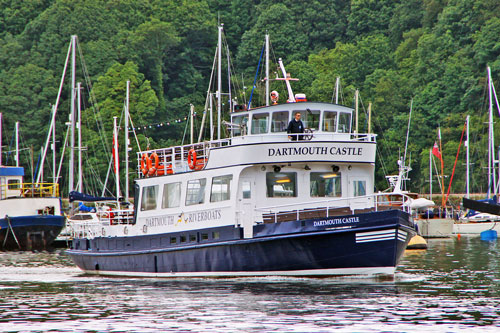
x=453, y=286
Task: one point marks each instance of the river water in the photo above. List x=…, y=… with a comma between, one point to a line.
x=453, y=286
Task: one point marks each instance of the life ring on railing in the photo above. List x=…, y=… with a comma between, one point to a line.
x=155, y=164
x=192, y=158
x=145, y=164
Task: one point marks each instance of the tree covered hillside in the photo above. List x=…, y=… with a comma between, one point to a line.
x=432, y=51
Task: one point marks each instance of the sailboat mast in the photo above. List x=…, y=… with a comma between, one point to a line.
x=0, y=138
x=430, y=174
x=17, y=143
x=219, y=81
x=491, y=145
x=267, y=69
x=337, y=87
x=115, y=148
x=127, y=115
x=54, y=171
x=79, y=126
x=72, y=116
x=443, y=199
x=467, y=161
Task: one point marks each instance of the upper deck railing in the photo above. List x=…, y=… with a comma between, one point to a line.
x=29, y=190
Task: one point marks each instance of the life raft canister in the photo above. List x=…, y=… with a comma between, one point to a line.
x=192, y=158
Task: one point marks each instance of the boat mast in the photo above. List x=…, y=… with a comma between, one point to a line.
x=357, y=112
x=115, y=150
x=491, y=144
x=430, y=174
x=467, y=160
x=54, y=177
x=72, y=116
x=337, y=87
x=127, y=115
x=267, y=69
x=191, y=119
x=0, y=138
x=17, y=143
x=79, y=125
x=219, y=81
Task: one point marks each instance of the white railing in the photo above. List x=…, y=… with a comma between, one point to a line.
x=176, y=159
x=373, y=202
x=93, y=228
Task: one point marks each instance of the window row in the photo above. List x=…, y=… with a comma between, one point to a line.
x=322, y=184
x=277, y=121
x=195, y=193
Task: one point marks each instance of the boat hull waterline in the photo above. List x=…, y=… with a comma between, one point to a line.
x=368, y=251
x=35, y=232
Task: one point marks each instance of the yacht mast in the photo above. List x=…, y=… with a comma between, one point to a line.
x=337, y=87
x=219, y=81
x=267, y=69
x=0, y=138
x=127, y=115
x=72, y=116
x=79, y=126
x=115, y=150
x=467, y=160
x=491, y=138
x=17, y=143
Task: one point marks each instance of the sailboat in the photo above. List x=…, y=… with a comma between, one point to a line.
x=31, y=213
x=483, y=214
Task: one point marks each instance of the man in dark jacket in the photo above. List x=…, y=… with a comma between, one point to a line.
x=295, y=126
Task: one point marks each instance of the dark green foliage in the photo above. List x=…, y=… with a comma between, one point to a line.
x=432, y=51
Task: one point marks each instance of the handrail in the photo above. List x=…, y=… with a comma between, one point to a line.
x=30, y=190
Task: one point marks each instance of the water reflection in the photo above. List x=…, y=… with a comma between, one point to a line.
x=452, y=286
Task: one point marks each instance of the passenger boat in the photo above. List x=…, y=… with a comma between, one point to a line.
x=260, y=202
x=257, y=204
x=31, y=214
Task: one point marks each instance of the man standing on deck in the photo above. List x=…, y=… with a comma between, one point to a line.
x=295, y=126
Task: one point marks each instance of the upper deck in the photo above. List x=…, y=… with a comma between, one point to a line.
x=260, y=136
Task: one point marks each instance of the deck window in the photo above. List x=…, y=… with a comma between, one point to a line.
x=221, y=188
x=329, y=121
x=310, y=118
x=279, y=121
x=259, y=123
x=359, y=188
x=240, y=124
x=171, y=195
x=344, y=122
x=281, y=184
x=195, y=193
x=325, y=184
x=149, y=194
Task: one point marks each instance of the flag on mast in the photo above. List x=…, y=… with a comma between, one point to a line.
x=435, y=151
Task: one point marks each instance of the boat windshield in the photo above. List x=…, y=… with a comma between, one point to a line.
x=260, y=123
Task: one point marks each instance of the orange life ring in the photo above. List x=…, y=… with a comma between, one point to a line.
x=155, y=163
x=192, y=158
x=145, y=164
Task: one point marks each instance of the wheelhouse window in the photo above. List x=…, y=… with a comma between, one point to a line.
x=171, y=195
x=325, y=184
x=310, y=118
x=13, y=184
x=279, y=121
x=281, y=184
x=240, y=124
x=359, y=188
x=329, y=121
x=221, y=188
x=195, y=193
x=344, y=122
x=149, y=194
x=259, y=123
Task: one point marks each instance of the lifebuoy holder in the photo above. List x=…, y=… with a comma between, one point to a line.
x=155, y=163
x=191, y=159
x=145, y=164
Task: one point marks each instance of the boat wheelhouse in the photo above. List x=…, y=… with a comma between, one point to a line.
x=31, y=213
x=257, y=203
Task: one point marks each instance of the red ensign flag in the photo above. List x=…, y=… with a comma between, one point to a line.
x=435, y=150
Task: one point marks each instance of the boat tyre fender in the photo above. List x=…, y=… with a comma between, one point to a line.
x=154, y=164
x=192, y=158
x=145, y=163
